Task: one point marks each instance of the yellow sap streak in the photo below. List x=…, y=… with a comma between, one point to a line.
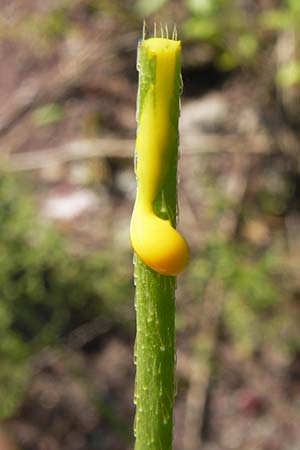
x=155, y=241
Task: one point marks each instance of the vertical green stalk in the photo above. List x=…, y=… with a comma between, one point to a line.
x=155, y=358
x=158, y=246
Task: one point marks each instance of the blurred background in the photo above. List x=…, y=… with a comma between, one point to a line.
x=68, y=86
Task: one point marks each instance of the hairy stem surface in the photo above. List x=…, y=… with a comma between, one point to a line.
x=154, y=240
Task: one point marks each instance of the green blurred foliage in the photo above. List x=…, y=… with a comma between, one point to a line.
x=145, y=8
x=238, y=34
x=258, y=289
x=258, y=297
x=51, y=26
x=41, y=31
x=251, y=296
x=286, y=18
x=45, y=293
x=47, y=114
x=289, y=74
x=225, y=26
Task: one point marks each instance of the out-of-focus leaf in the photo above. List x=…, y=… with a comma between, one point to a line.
x=241, y=321
x=227, y=61
x=294, y=6
x=289, y=74
x=200, y=28
x=145, y=8
x=56, y=24
x=201, y=6
x=47, y=114
x=247, y=45
x=276, y=19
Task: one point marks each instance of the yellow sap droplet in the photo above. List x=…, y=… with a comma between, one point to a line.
x=155, y=241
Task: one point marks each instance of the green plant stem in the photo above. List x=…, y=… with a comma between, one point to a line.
x=155, y=301
x=155, y=358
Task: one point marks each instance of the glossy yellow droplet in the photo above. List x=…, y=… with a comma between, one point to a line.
x=154, y=239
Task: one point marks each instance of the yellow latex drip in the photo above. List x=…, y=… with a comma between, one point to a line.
x=154, y=240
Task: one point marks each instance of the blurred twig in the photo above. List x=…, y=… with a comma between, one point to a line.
x=121, y=148
x=71, y=151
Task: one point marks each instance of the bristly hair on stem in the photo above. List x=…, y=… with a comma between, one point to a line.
x=164, y=31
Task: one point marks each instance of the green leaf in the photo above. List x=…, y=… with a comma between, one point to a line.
x=247, y=45
x=201, y=28
x=289, y=74
x=276, y=19
x=201, y=6
x=56, y=24
x=47, y=114
x=145, y=8
x=294, y=6
x=227, y=61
